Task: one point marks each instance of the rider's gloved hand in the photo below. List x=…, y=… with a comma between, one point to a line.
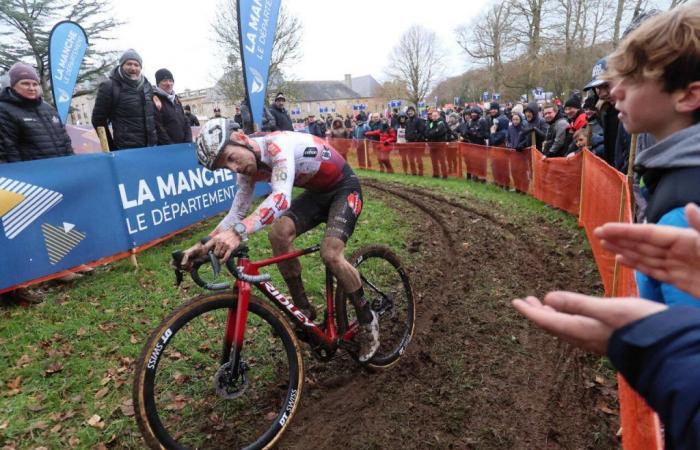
x=223, y=244
x=192, y=254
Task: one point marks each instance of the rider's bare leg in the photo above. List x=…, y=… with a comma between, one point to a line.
x=332, y=253
x=281, y=235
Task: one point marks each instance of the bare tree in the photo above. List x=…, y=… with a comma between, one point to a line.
x=490, y=40
x=528, y=29
x=286, y=48
x=599, y=20
x=26, y=25
x=417, y=62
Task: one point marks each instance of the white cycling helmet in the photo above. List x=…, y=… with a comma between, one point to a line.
x=214, y=136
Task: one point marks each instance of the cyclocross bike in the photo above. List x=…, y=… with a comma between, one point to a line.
x=225, y=370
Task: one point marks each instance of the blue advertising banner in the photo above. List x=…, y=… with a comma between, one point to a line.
x=59, y=213
x=67, y=45
x=257, y=23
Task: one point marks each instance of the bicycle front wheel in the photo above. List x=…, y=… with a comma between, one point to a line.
x=387, y=288
x=184, y=395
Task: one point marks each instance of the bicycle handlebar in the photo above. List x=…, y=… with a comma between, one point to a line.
x=241, y=250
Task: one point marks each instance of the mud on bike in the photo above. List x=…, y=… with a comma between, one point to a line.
x=226, y=369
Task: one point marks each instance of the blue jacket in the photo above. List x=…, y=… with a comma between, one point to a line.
x=659, y=356
x=670, y=178
x=360, y=130
x=499, y=137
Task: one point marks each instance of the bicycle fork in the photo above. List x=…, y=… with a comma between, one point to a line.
x=235, y=328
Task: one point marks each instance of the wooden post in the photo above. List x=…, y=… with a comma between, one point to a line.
x=620, y=216
x=367, y=164
x=630, y=174
x=102, y=136
x=581, y=193
x=533, y=144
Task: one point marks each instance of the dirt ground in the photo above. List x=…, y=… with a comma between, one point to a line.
x=477, y=375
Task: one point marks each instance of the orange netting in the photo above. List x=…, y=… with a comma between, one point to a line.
x=583, y=185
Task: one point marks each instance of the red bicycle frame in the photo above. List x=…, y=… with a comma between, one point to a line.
x=236, y=319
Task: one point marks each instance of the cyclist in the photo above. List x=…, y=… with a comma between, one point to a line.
x=332, y=195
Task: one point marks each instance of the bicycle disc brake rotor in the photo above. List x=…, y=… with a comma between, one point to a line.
x=383, y=306
x=226, y=385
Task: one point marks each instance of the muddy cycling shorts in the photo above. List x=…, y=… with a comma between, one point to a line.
x=339, y=208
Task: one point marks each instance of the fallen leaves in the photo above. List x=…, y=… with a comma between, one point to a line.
x=23, y=361
x=127, y=407
x=601, y=405
x=55, y=367
x=15, y=387
x=102, y=393
x=96, y=422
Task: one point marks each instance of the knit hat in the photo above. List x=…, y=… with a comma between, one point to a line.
x=572, y=103
x=21, y=71
x=589, y=103
x=280, y=96
x=164, y=74
x=130, y=55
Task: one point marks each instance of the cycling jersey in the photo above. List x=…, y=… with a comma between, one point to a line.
x=287, y=159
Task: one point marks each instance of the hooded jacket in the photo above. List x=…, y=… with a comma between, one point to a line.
x=669, y=174
x=538, y=125
x=415, y=127
x=30, y=129
x=338, y=130
x=514, y=131
x=128, y=106
x=499, y=137
x=172, y=124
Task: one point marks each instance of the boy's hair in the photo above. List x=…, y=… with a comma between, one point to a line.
x=582, y=132
x=664, y=48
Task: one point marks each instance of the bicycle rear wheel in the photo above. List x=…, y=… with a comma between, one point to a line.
x=183, y=400
x=388, y=290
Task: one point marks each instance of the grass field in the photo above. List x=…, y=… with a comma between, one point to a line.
x=66, y=364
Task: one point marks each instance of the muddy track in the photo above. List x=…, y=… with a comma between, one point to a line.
x=476, y=374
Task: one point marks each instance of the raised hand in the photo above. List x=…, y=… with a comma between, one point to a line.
x=583, y=321
x=668, y=254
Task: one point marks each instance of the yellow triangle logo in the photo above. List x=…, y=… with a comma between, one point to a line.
x=9, y=200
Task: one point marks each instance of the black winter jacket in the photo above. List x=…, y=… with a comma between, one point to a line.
x=415, y=129
x=610, y=122
x=436, y=131
x=30, y=129
x=173, y=125
x=282, y=120
x=475, y=131
x=132, y=114
x=192, y=120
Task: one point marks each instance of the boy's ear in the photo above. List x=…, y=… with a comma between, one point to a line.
x=689, y=99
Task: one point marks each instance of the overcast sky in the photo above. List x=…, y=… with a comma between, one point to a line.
x=339, y=37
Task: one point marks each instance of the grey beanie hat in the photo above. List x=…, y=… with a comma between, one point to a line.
x=130, y=55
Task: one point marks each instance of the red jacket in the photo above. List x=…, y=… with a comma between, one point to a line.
x=385, y=137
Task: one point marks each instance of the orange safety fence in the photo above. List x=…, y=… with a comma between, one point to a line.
x=583, y=185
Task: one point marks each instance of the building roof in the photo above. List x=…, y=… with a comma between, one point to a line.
x=366, y=85
x=309, y=91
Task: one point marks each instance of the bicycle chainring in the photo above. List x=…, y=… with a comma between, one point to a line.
x=226, y=385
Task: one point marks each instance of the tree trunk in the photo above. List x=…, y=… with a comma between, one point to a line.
x=618, y=19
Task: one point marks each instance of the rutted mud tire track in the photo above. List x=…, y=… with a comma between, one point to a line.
x=476, y=374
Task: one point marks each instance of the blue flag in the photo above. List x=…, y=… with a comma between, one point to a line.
x=257, y=22
x=67, y=45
